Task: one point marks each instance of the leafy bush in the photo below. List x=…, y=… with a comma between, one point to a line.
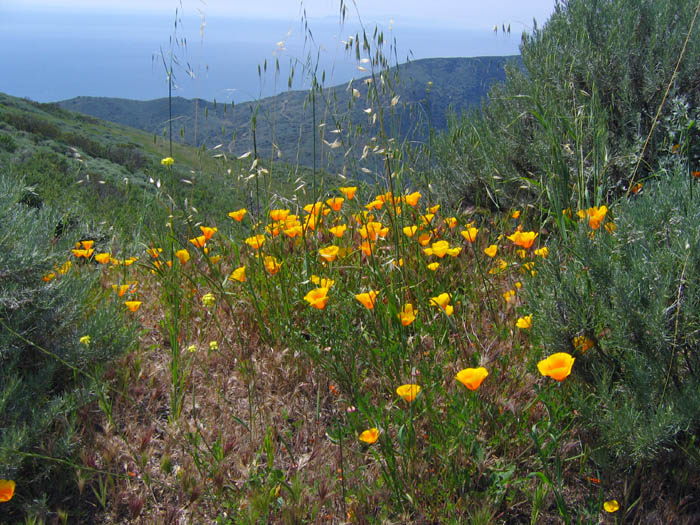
x=7, y=143
x=45, y=371
x=635, y=296
x=569, y=130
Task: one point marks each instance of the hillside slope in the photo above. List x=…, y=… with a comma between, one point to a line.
x=458, y=84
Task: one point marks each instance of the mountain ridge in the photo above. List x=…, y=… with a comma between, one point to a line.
x=457, y=85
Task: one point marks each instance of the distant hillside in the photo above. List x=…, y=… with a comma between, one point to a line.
x=112, y=174
x=458, y=84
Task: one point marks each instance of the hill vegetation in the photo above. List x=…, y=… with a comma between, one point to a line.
x=457, y=85
x=500, y=325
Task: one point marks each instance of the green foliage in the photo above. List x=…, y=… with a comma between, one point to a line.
x=636, y=295
x=568, y=130
x=46, y=374
x=7, y=143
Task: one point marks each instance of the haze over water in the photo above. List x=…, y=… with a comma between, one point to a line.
x=54, y=54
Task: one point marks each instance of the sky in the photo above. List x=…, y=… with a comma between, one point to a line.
x=57, y=49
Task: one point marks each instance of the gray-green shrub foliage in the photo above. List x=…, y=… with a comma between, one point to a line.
x=636, y=294
x=568, y=128
x=40, y=393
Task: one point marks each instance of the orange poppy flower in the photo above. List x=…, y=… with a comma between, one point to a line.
x=7, y=490
x=557, y=366
x=367, y=299
x=523, y=239
x=238, y=214
x=412, y=198
x=369, y=436
x=348, y=191
x=335, y=203
x=472, y=377
x=279, y=215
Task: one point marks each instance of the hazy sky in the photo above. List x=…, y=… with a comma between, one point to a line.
x=57, y=49
x=465, y=13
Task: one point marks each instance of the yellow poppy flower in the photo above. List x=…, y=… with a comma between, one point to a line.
x=348, y=191
x=256, y=241
x=407, y=314
x=611, y=506
x=515, y=214
x=317, y=298
x=472, y=377
x=523, y=239
x=279, y=215
x=49, y=276
x=557, y=366
x=322, y=282
x=293, y=231
x=102, y=258
x=132, y=305
x=433, y=209
x=338, y=231
x=199, y=241
x=583, y=343
x=542, y=252
x=509, y=296
x=272, y=265
x=470, y=233
x=524, y=323
x=424, y=238
x=439, y=248
x=329, y=253
x=443, y=301
x=433, y=266
x=167, y=161
x=82, y=253
x=454, y=252
x=596, y=216
x=412, y=198
x=410, y=231
x=238, y=274
x=238, y=214
x=183, y=256
x=408, y=392
x=451, y=222
x=491, y=251
x=86, y=245
x=367, y=247
x=368, y=298
x=369, y=436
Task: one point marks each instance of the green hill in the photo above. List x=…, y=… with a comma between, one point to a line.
x=458, y=85
x=112, y=173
